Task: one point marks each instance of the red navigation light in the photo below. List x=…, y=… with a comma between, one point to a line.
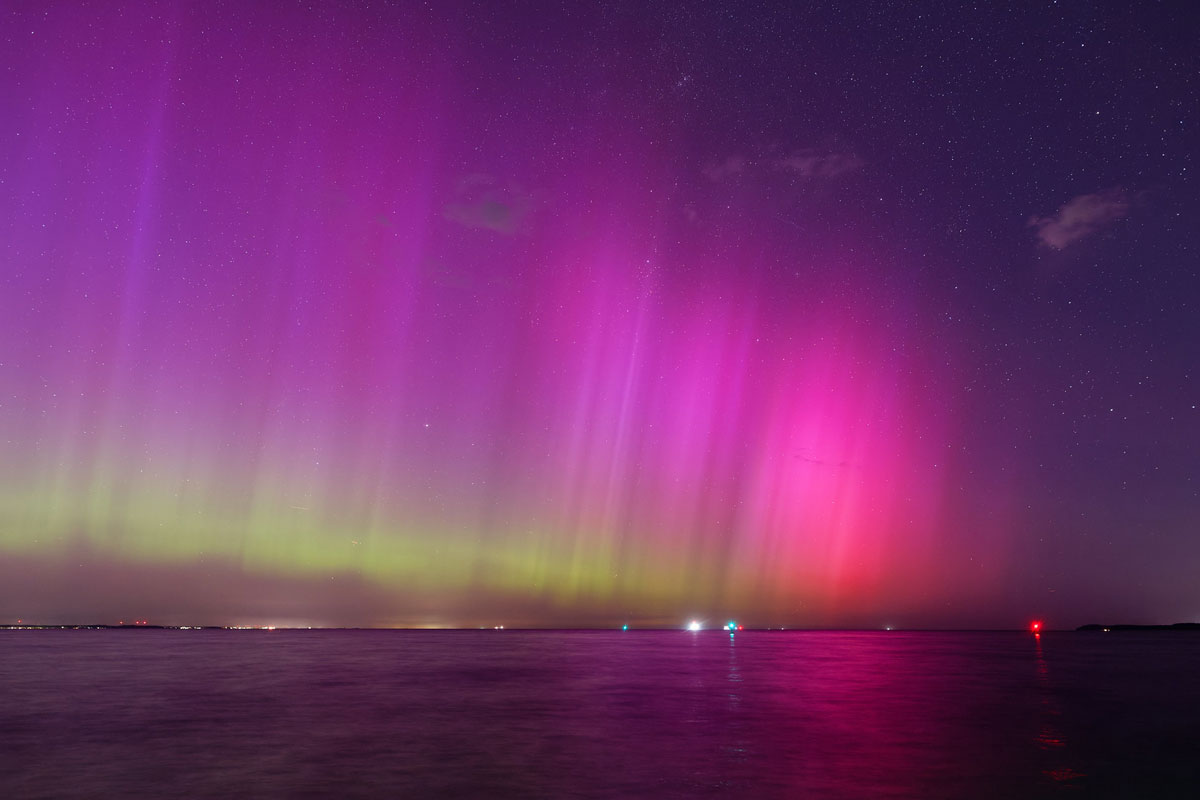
x=1036, y=626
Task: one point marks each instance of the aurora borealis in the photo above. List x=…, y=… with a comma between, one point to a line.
x=595, y=315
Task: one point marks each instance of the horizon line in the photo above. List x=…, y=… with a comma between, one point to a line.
x=625, y=628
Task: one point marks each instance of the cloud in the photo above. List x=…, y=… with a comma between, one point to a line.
x=815, y=164
x=481, y=202
x=806, y=163
x=1080, y=217
x=732, y=167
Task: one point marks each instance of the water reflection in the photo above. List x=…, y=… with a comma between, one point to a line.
x=1050, y=738
x=737, y=749
x=636, y=714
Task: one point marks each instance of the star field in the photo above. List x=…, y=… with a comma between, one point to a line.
x=592, y=314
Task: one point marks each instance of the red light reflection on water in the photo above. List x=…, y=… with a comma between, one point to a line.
x=1050, y=737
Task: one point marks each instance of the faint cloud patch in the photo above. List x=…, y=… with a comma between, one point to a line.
x=816, y=164
x=481, y=201
x=1080, y=217
x=732, y=167
x=810, y=163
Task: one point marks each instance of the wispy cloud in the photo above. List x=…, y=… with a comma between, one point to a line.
x=481, y=202
x=1080, y=217
x=817, y=164
x=732, y=167
x=805, y=163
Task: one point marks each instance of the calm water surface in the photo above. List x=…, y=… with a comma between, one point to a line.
x=587, y=714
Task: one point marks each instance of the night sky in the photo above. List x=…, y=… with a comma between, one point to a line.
x=475, y=314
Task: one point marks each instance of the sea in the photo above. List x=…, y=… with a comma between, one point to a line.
x=561, y=714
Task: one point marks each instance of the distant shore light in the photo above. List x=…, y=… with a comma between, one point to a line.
x=694, y=625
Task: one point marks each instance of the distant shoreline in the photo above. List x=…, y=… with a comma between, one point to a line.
x=1178, y=626
x=1089, y=628
x=39, y=627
